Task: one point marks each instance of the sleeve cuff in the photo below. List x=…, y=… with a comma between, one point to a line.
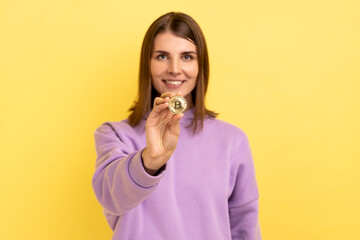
x=138, y=174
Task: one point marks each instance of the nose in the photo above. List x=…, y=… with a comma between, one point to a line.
x=174, y=67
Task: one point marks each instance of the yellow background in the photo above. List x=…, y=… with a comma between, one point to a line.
x=286, y=72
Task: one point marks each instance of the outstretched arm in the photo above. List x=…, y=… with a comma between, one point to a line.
x=125, y=176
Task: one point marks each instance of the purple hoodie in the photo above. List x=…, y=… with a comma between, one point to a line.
x=207, y=190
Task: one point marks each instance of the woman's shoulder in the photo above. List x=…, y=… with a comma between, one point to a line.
x=222, y=128
x=224, y=125
x=119, y=127
x=123, y=124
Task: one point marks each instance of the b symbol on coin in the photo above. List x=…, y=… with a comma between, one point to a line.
x=177, y=104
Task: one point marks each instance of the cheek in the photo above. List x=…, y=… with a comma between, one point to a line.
x=152, y=68
x=156, y=68
x=155, y=71
x=192, y=70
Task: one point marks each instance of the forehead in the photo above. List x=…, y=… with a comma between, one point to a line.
x=169, y=42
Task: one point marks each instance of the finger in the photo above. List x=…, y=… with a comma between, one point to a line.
x=175, y=124
x=168, y=94
x=160, y=107
x=159, y=100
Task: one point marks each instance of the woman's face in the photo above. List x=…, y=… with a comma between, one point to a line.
x=174, y=65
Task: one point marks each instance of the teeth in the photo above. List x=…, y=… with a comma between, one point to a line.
x=174, y=82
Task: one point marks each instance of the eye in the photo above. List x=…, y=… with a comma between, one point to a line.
x=187, y=57
x=161, y=57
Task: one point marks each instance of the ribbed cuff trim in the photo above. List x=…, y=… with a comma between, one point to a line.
x=139, y=175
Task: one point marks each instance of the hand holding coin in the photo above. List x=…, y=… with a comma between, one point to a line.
x=162, y=130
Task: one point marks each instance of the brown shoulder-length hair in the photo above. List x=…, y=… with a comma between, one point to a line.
x=182, y=25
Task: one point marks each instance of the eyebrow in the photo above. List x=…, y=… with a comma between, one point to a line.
x=186, y=52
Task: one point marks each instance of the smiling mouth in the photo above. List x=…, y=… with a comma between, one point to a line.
x=174, y=82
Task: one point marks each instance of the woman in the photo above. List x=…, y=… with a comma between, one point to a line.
x=161, y=175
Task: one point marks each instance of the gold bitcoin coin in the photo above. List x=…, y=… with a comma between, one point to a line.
x=177, y=104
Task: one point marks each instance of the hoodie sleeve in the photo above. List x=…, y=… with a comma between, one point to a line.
x=120, y=181
x=243, y=202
